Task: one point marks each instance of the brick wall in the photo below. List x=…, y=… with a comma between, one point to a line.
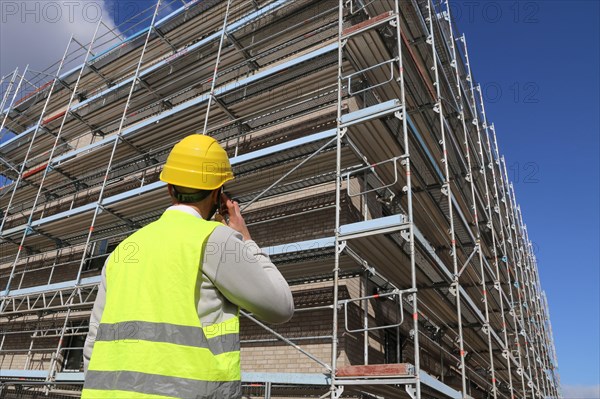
x=276, y=356
x=14, y=352
x=307, y=216
x=37, y=270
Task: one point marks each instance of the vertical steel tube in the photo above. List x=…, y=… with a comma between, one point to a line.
x=439, y=108
x=24, y=165
x=5, y=118
x=338, y=187
x=54, y=361
x=7, y=94
x=522, y=289
x=534, y=310
x=498, y=190
x=540, y=312
x=475, y=217
x=13, y=77
x=47, y=168
x=398, y=346
x=406, y=162
x=503, y=245
x=29, y=354
x=365, y=304
x=37, y=128
x=490, y=216
x=116, y=141
x=12, y=102
x=215, y=72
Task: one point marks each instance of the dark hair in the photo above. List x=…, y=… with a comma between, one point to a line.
x=190, y=195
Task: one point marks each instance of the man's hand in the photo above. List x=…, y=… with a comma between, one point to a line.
x=231, y=210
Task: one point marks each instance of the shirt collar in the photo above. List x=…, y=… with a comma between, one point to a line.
x=186, y=209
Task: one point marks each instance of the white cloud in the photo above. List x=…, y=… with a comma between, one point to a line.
x=37, y=32
x=581, y=391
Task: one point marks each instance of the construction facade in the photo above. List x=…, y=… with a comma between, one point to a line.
x=365, y=167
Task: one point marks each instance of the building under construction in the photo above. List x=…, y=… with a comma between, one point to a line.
x=365, y=166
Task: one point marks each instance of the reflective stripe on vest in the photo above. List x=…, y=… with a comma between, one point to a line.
x=150, y=342
x=161, y=332
x=104, y=383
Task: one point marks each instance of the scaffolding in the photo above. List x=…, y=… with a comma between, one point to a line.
x=364, y=162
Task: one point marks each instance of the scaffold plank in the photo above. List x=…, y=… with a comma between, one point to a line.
x=50, y=287
x=70, y=377
x=313, y=379
x=11, y=373
x=372, y=112
x=381, y=225
x=439, y=386
x=377, y=370
x=301, y=246
x=283, y=146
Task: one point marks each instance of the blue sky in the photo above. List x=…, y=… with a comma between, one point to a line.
x=538, y=63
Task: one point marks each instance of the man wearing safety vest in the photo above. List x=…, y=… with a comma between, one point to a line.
x=165, y=323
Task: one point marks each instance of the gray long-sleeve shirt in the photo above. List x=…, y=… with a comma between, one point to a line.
x=235, y=274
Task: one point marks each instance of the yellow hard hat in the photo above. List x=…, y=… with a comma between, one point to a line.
x=197, y=161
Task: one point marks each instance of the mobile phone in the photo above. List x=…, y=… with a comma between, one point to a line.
x=222, y=206
x=219, y=203
x=231, y=197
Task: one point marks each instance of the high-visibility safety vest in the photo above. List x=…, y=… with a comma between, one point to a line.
x=150, y=342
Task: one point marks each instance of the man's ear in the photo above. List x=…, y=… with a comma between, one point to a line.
x=172, y=194
x=215, y=194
